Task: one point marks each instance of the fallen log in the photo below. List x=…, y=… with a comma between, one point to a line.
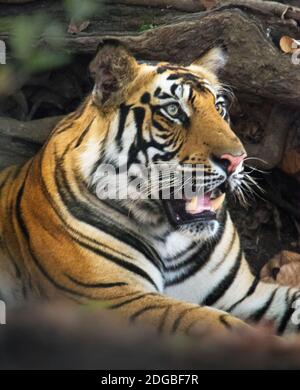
x=257, y=70
x=182, y=5
x=249, y=31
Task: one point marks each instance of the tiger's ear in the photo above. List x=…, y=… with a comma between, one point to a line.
x=113, y=69
x=213, y=60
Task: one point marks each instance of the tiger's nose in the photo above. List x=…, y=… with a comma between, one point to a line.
x=229, y=163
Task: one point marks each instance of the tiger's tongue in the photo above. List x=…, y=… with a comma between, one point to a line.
x=198, y=204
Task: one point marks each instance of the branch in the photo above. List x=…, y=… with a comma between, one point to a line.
x=256, y=66
x=266, y=7
x=182, y=5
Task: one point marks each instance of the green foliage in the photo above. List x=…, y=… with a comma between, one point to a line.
x=37, y=42
x=24, y=41
x=146, y=27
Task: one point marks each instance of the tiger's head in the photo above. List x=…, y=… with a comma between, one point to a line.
x=168, y=114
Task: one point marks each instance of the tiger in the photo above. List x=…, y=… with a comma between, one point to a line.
x=175, y=265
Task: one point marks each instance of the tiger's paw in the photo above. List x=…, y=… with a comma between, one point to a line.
x=218, y=323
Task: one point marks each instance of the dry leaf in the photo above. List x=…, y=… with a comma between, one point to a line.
x=291, y=162
x=289, y=45
x=209, y=4
x=284, y=269
x=76, y=28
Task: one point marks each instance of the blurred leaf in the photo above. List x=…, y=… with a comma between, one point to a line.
x=5, y=24
x=54, y=34
x=24, y=35
x=79, y=10
x=43, y=59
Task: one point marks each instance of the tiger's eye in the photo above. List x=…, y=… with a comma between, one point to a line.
x=172, y=109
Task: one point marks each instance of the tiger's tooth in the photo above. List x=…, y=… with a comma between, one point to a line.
x=191, y=205
x=217, y=203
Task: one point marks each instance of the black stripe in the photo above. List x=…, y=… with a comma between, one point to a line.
x=227, y=251
x=157, y=91
x=251, y=291
x=144, y=310
x=145, y=99
x=163, y=68
x=181, y=253
x=140, y=144
x=167, y=156
x=190, y=94
x=175, y=76
x=173, y=89
x=262, y=311
x=159, y=127
x=96, y=285
x=123, y=114
x=224, y=285
x=198, y=258
x=181, y=316
x=164, y=319
x=18, y=210
x=223, y=321
x=161, y=95
x=124, y=303
x=63, y=128
x=288, y=312
x=83, y=134
x=164, y=96
x=197, y=83
x=191, y=325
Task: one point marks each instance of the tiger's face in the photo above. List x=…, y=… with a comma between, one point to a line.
x=173, y=117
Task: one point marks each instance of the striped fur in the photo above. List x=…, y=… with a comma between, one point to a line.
x=58, y=239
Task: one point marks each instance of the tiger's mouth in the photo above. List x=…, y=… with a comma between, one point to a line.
x=202, y=208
